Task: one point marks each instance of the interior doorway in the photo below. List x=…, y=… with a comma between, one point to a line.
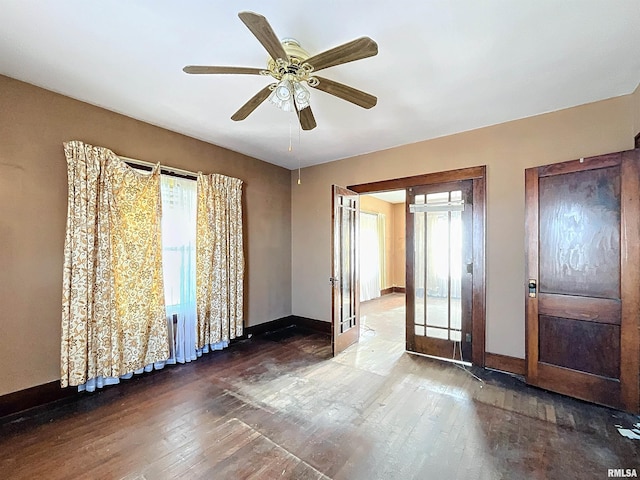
x=473, y=332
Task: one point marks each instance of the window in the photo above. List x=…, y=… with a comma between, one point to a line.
x=179, y=202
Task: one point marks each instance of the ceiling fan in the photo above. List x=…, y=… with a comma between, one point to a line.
x=292, y=66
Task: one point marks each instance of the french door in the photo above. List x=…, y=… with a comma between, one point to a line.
x=583, y=279
x=345, y=292
x=440, y=269
x=465, y=296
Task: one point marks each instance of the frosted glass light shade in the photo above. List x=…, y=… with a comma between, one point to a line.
x=281, y=95
x=301, y=95
x=283, y=90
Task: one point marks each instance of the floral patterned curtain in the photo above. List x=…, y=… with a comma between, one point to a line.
x=219, y=259
x=113, y=315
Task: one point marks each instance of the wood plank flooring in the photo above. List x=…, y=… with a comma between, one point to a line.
x=278, y=406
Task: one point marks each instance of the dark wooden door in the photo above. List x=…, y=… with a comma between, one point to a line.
x=345, y=290
x=439, y=270
x=582, y=230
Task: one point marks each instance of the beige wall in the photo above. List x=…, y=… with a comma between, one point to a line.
x=375, y=205
x=399, y=245
x=636, y=111
x=33, y=202
x=394, y=237
x=506, y=149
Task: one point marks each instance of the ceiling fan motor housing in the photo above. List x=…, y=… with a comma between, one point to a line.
x=293, y=49
x=293, y=66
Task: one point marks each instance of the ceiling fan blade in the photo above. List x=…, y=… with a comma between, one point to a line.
x=349, y=52
x=201, y=69
x=260, y=27
x=307, y=120
x=345, y=92
x=252, y=104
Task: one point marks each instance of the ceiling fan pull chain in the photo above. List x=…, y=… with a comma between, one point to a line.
x=299, y=160
x=290, y=146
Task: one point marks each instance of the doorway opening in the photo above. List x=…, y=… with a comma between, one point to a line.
x=382, y=268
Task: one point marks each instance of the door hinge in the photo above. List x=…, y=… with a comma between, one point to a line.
x=470, y=268
x=467, y=338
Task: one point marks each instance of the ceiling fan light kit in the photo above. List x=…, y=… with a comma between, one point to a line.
x=291, y=66
x=289, y=92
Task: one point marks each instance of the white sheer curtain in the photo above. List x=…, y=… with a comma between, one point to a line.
x=179, y=207
x=369, y=256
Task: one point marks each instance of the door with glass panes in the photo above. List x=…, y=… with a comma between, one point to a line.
x=345, y=291
x=439, y=269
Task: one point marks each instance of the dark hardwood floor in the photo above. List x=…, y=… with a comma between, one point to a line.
x=278, y=406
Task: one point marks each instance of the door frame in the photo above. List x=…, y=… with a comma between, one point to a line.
x=478, y=176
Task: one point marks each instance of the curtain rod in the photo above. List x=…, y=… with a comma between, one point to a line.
x=142, y=163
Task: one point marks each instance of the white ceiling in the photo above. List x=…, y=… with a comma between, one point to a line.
x=443, y=66
x=395, y=196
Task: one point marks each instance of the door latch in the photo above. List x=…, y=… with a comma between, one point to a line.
x=533, y=286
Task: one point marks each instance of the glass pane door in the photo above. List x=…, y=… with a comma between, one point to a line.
x=437, y=253
x=344, y=278
x=436, y=228
x=347, y=253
